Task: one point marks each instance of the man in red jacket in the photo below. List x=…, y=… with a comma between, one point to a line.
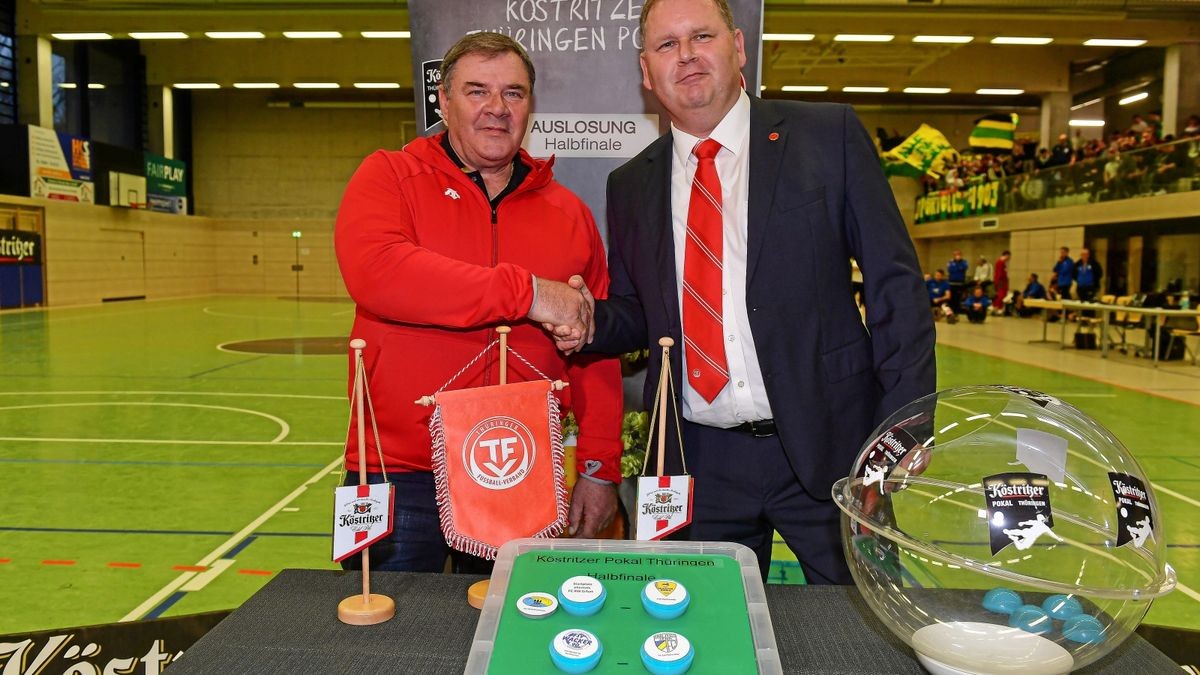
x=438, y=244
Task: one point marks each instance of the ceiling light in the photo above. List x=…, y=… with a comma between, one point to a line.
x=944, y=39
x=788, y=37
x=1085, y=104
x=196, y=85
x=235, y=34
x=1086, y=123
x=1022, y=40
x=1135, y=98
x=999, y=92
x=864, y=90
x=66, y=85
x=81, y=36
x=255, y=85
x=851, y=37
x=805, y=87
x=311, y=34
x=386, y=34
x=95, y=85
x=1113, y=42
x=927, y=90
x=316, y=85
x=384, y=85
x=160, y=35
x=1135, y=86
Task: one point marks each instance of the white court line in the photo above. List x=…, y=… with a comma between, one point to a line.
x=258, y=317
x=165, y=592
x=284, y=428
x=201, y=580
x=164, y=441
x=1158, y=488
x=168, y=393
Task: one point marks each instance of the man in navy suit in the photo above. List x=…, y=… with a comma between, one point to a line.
x=784, y=382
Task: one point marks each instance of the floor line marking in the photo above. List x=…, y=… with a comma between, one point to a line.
x=261, y=573
x=201, y=580
x=284, y=427
x=228, y=365
x=159, y=462
x=1064, y=370
x=190, y=533
x=58, y=562
x=164, y=441
x=166, y=591
x=1089, y=460
x=169, y=393
x=190, y=568
x=125, y=565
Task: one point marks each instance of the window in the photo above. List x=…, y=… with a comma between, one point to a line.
x=8, y=65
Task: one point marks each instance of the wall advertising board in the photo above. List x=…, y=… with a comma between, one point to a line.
x=166, y=184
x=60, y=166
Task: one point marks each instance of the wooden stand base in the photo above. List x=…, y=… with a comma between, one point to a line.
x=377, y=609
x=477, y=593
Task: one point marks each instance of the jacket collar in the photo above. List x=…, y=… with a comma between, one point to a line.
x=429, y=150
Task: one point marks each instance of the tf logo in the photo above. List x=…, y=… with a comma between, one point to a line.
x=666, y=587
x=499, y=453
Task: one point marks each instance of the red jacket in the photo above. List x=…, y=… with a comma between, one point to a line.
x=433, y=272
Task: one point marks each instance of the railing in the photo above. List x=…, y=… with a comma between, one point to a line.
x=1161, y=169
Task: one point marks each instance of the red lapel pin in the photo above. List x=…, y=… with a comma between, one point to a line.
x=773, y=136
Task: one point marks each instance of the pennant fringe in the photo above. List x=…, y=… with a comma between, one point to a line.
x=480, y=549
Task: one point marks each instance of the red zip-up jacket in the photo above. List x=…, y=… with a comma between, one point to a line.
x=433, y=270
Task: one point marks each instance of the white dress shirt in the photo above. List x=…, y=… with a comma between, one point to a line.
x=744, y=399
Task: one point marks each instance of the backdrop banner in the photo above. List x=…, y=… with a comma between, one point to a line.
x=590, y=110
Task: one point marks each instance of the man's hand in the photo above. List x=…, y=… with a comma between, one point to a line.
x=593, y=507
x=566, y=339
x=563, y=309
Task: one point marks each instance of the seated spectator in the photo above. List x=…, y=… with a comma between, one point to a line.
x=1113, y=185
x=1168, y=165
x=1191, y=129
x=1033, y=289
x=939, y=295
x=976, y=306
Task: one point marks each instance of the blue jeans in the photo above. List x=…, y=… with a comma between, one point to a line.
x=416, y=543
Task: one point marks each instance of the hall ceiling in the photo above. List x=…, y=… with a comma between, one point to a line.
x=823, y=61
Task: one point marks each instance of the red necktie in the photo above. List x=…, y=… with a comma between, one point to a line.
x=703, y=343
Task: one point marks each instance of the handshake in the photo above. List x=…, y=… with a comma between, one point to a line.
x=565, y=311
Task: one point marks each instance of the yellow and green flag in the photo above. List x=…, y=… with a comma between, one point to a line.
x=927, y=150
x=994, y=133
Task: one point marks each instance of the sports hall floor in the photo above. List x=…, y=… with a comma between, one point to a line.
x=149, y=472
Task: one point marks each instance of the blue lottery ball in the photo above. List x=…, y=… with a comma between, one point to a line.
x=1062, y=607
x=1001, y=600
x=1083, y=628
x=1031, y=619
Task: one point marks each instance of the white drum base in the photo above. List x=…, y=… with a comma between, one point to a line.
x=974, y=648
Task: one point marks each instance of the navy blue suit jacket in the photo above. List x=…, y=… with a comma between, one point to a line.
x=817, y=198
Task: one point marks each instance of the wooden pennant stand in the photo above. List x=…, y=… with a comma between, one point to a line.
x=664, y=376
x=367, y=608
x=477, y=593
x=664, y=503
